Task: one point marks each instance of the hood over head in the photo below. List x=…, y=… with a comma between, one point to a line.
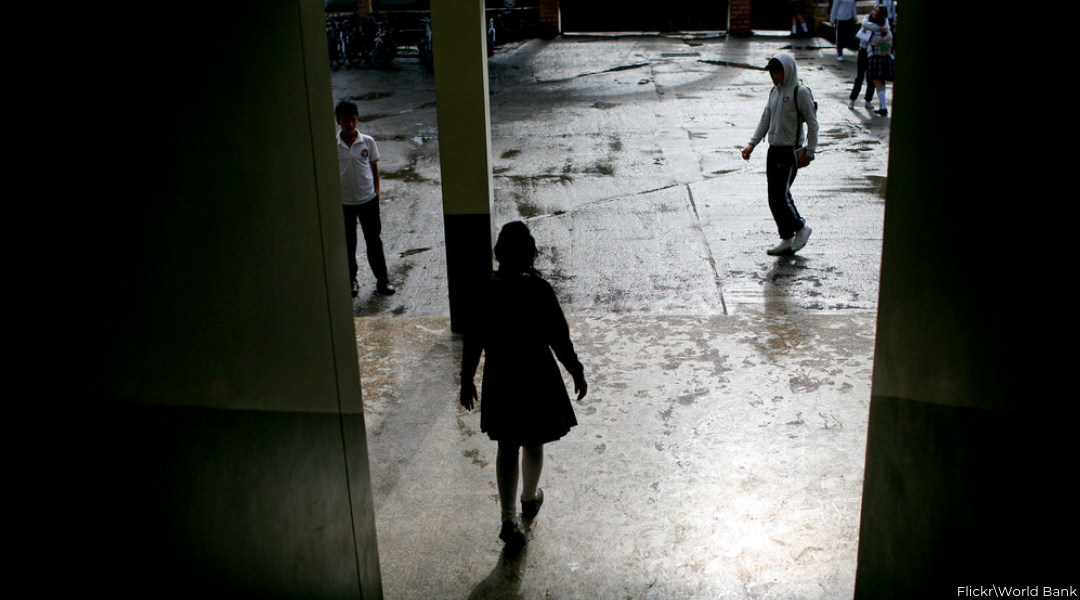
x=791, y=70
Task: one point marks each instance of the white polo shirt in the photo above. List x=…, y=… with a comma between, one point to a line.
x=354, y=166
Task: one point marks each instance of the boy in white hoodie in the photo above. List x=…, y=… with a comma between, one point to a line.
x=789, y=105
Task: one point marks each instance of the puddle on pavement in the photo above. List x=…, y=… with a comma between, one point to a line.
x=880, y=183
x=530, y=181
x=528, y=210
x=407, y=173
x=600, y=168
x=413, y=251
x=808, y=47
x=367, y=118
x=371, y=96
x=728, y=63
x=617, y=69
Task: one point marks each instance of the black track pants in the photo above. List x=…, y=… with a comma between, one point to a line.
x=780, y=169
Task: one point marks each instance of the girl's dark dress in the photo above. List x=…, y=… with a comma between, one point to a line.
x=523, y=398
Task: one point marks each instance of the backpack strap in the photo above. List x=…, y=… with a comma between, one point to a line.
x=798, y=109
x=798, y=112
x=795, y=95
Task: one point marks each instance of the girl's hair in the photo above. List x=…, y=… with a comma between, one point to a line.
x=877, y=17
x=515, y=249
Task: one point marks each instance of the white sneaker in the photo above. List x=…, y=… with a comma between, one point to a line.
x=783, y=248
x=869, y=105
x=799, y=241
x=840, y=57
x=851, y=104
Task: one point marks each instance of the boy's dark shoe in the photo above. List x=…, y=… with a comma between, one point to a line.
x=384, y=288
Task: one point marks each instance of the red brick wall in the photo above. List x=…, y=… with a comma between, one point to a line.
x=739, y=17
x=549, y=17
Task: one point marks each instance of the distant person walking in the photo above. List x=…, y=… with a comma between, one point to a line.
x=869, y=28
x=842, y=16
x=880, y=69
x=358, y=166
x=788, y=106
x=524, y=403
x=797, y=19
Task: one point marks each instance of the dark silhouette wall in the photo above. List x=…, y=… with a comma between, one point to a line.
x=221, y=435
x=968, y=445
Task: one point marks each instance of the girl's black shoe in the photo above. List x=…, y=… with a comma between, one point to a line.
x=529, y=508
x=511, y=534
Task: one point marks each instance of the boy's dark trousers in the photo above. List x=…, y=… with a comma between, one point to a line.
x=862, y=63
x=780, y=168
x=845, y=32
x=371, y=224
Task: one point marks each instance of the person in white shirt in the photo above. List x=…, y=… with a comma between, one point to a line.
x=842, y=16
x=358, y=165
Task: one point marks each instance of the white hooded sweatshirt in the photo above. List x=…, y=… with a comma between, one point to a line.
x=781, y=119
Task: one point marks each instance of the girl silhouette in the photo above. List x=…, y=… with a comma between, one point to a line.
x=525, y=404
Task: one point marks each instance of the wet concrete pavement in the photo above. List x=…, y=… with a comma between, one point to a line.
x=720, y=449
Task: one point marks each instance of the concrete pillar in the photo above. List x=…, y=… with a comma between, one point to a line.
x=218, y=447
x=459, y=38
x=966, y=463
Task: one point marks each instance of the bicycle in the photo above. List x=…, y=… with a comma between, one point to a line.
x=379, y=48
x=342, y=33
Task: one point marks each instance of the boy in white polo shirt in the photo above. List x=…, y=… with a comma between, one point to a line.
x=358, y=165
